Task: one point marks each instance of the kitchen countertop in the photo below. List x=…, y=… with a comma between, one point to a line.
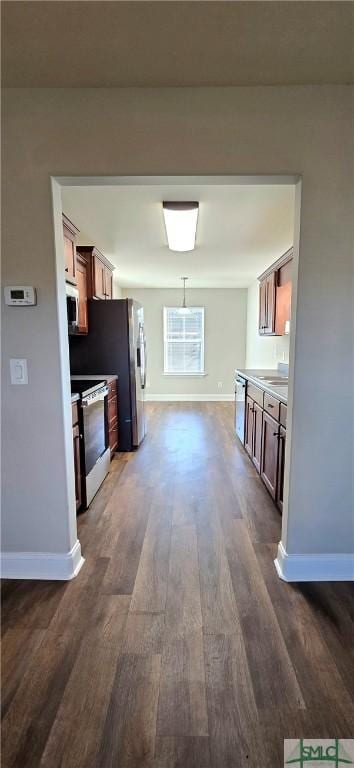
x=95, y=377
x=252, y=375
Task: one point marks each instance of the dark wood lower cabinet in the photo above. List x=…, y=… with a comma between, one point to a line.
x=112, y=415
x=269, y=460
x=77, y=466
x=249, y=426
x=257, y=435
x=281, y=465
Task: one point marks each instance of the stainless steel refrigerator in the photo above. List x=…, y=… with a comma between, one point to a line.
x=116, y=344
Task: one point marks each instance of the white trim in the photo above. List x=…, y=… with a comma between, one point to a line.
x=45, y=566
x=188, y=375
x=188, y=398
x=166, y=342
x=313, y=567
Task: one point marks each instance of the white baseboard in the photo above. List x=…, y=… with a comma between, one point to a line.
x=324, y=567
x=188, y=398
x=42, y=565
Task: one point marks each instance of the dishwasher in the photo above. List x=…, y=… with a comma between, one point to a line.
x=240, y=402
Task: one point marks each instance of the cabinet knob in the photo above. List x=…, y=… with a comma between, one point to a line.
x=276, y=434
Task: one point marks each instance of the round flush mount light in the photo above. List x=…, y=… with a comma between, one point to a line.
x=181, y=224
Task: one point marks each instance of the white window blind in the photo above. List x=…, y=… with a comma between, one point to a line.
x=183, y=340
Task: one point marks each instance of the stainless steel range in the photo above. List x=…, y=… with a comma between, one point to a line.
x=95, y=452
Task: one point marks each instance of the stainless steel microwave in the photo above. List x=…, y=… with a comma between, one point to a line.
x=72, y=306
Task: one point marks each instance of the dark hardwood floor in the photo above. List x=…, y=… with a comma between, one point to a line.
x=177, y=645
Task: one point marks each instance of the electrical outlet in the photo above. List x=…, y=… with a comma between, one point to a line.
x=219, y=384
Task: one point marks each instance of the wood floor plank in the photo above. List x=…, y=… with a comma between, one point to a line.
x=29, y=719
x=17, y=648
x=182, y=752
x=219, y=609
x=182, y=702
x=231, y=704
x=75, y=737
x=150, y=588
x=183, y=609
x=273, y=675
x=128, y=737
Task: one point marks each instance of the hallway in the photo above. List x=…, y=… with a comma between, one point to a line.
x=177, y=646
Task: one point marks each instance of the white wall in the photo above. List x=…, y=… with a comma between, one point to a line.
x=258, y=130
x=262, y=351
x=225, y=338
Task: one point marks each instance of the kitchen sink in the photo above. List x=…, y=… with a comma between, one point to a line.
x=278, y=382
x=281, y=380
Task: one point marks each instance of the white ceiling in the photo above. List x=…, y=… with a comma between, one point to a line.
x=241, y=230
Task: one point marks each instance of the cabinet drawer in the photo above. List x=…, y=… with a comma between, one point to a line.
x=271, y=405
x=112, y=408
x=283, y=413
x=74, y=413
x=255, y=393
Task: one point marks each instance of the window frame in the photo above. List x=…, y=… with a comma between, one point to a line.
x=166, y=342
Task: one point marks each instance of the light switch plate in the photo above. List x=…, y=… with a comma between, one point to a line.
x=18, y=371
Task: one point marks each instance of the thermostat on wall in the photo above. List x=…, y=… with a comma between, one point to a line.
x=20, y=295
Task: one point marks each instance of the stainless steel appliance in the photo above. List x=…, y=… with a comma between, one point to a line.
x=95, y=452
x=116, y=344
x=240, y=403
x=72, y=307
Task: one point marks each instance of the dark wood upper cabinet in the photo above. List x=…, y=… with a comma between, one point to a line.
x=275, y=296
x=100, y=283
x=269, y=460
x=70, y=233
x=82, y=285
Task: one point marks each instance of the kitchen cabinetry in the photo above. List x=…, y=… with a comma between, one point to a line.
x=253, y=431
x=112, y=415
x=100, y=284
x=281, y=465
x=77, y=459
x=265, y=436
x=82, y=285
x=275, y=297
x=70, y=233
x=269, y=459
x=267, y=305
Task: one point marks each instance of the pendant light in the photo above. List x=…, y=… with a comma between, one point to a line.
x=181, y=224
x=184, y=310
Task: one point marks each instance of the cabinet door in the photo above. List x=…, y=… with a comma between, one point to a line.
x=281, y=465
x=262, y=305
x=81, y=279
x=98, y=278
x=249, y=426
x=77, y=466
x=270, y=303
x=257, y=435
x=269, y=458
x=69, y=250
x=108, y=283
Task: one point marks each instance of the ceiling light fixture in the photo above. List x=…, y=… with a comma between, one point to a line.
x=181, y=224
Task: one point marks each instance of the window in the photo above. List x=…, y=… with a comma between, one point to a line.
x=183, y=340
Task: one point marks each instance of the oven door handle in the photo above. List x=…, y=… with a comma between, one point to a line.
x=100, y=396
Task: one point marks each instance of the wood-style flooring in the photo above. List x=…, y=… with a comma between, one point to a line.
x=177, y=646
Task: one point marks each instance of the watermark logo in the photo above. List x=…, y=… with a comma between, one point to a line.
x=317, y=752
